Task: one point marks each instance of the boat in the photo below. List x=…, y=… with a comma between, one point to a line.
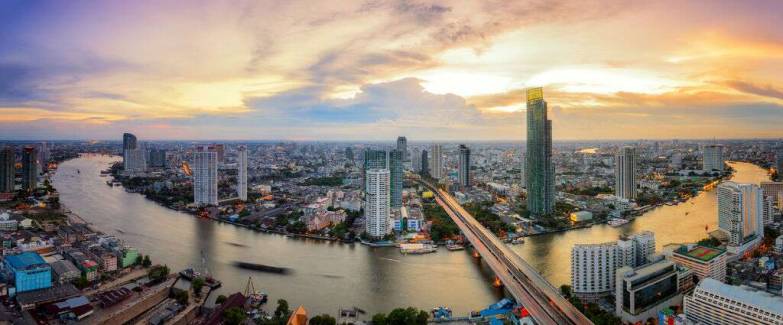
x=441, y=313
x=417, y=248
x=517, y=241
x=455, y=247
x=254, y=299
x=617, y=222
x=189, y=273
x=261, y=267
x=686, y=213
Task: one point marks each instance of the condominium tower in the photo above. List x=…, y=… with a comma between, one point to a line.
x=205, y=178
x=242, y=173
x=436, y=161
x=625, y=173
x=377, y=203
x=464, y=166
x=712, y=157
x=539, y=170
x=740, y=215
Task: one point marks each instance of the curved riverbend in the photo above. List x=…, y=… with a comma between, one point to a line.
x=327, y=275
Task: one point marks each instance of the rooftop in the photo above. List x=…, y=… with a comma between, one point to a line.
x=24, y=260
x=744, y=294
x=699, y=252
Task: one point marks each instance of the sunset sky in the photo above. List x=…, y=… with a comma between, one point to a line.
x=373, y=70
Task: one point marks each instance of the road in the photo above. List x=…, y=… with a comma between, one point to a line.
x=528, y=287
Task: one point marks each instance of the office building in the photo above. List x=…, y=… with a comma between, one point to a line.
x=205, y=178
x=712, y=159
x=157, y=158
x=641, y=292
x=706, y=262
x=464, y=166
x=377, y=203
x=436, y=162
x=425, y=163
x=593, y=269
x=373, y=159
x=29, y=271
x=242, y=173
x=7, y=169
x=714, y=302
x=396, y=174
x=29, y=168
x=625, y=173
x=539, y=170
x=740, y=215
x=402, y=146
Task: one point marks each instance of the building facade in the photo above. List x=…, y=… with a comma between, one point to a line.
x=625, y=173
x=7, y=169
x=402, y=146
x=539, y=170
x=464, y=166
x=593, y=269
x=377, y=203
x=30, y=168
x=740, y=215
x=425, y=163
x=29, y=271
x=714, y=302
x=436, y=161
x=396, y=174
x=242, y=173
x=641, y=292
x=712, y=158
x=373, y=159
x=205, y=178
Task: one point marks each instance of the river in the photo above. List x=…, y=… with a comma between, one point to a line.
x=328, y=275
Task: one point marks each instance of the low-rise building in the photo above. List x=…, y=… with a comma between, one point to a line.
x=29, y=271
x=714, y=302
x=64, y=271
x=706, y=262
x=640, y=293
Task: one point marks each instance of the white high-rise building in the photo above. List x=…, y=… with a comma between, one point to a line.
x=768, y=210
x=625, y=173
x=712, y=157
x=714, y=302
x=436, y=162
x=593, y=269
x=416, y=160
x=242, y=173
x=644, y=244
x=741, y=215
x=205, y=178
x=378, y=203
x=135, y=160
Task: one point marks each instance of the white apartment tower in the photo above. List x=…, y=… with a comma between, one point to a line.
x=436, y=161
x=378, y=203
x=740, y=215
x=714, y=302
x=205, y=178
x=712, y=157
x=593, y=269
x=625, y=173
x=242, y=173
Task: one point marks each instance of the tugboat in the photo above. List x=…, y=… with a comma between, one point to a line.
x=441, y=314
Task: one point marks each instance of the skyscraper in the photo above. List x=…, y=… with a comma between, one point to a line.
x=713, y=157
x=242, y=173
x=349, y=154
x=396, y=170
x=416, y=160
x=7, y=169
x=157, y=158
x=539, y=170
x=740, y=215
x=377, y=203
x=29, y=168
x=129, y=143
x=402, y=146
x=373, y=159
x=625, y=173
x=464, y=166
x=436, y=162
x=205, y=178
x=425, y=164
x=220, y=149
x=779, y=161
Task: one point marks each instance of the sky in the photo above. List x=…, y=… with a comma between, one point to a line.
x=373, y=70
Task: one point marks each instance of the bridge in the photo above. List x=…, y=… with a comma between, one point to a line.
x=525, y=284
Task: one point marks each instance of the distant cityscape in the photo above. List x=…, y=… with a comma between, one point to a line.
x=58, y=267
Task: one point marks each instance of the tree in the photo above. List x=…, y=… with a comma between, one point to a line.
x=406, y=316
x=197, y=285
x=379, y=319
x=81, y=282
x=282, y=310
x=181, y=296
x=323, y=319
x=234, y=316
x=220, y=299
x=139, y=260
x=146, y=262
x=565, y=290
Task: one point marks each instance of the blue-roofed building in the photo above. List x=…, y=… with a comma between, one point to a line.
x=29, y=271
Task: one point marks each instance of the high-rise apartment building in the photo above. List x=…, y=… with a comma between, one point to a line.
x=377, y=203
x=539, y=170
x=593, y=269
x=714, y=302
x=402, y=146
x=205, y=177
x=30, y=168
x=242, y=173
x=425, y=163
x=373, y=159
x=436, y=161
x=416, y=160
x=7, y=169
x=741, y=215
x=712, y=158
x=625, y=173
x=464, y=166
x=396, y=174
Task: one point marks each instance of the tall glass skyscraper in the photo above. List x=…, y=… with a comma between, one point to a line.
x=7, y=169
x=373, y=159
x=395, y=174
x=539, y=170
x=464, y=166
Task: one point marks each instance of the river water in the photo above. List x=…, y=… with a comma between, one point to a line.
x=327, y=275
